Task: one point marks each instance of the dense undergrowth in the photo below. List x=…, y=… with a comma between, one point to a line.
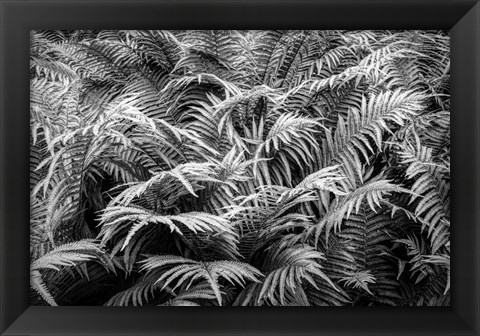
x=240, y=168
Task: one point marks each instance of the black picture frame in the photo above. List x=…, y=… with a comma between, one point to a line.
x=18, y=17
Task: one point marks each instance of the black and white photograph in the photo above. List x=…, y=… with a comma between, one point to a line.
x=239, y=168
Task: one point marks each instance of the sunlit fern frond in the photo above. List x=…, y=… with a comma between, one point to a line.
x=192, y=297
x=369, y=238
x=218, y=52
x=430, y=189
x=374, y=192
x=67, y=255
x=126, y=225
x=178, y=269
x=426, y=278
x=170, y=185
x=138, y=294
x=262, y=218
x=289, y=268
x=290, y=141
x=355, y=137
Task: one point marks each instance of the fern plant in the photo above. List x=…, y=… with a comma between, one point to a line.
x=224, y=168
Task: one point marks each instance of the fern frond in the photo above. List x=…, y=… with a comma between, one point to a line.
x=289, y=268
x=372, y=192
x=117, y=218
x=37, y=283
x=221, y=53
x=353, y=139
x=189, y=296
x=190, y=270
x=184, y=177
x=359, y=279
x=430, y=182
x=137, y=295
x=67, y=255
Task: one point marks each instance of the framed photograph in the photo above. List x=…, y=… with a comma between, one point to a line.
x=239, y=167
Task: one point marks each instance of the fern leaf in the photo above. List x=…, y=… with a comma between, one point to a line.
x=187, y=269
